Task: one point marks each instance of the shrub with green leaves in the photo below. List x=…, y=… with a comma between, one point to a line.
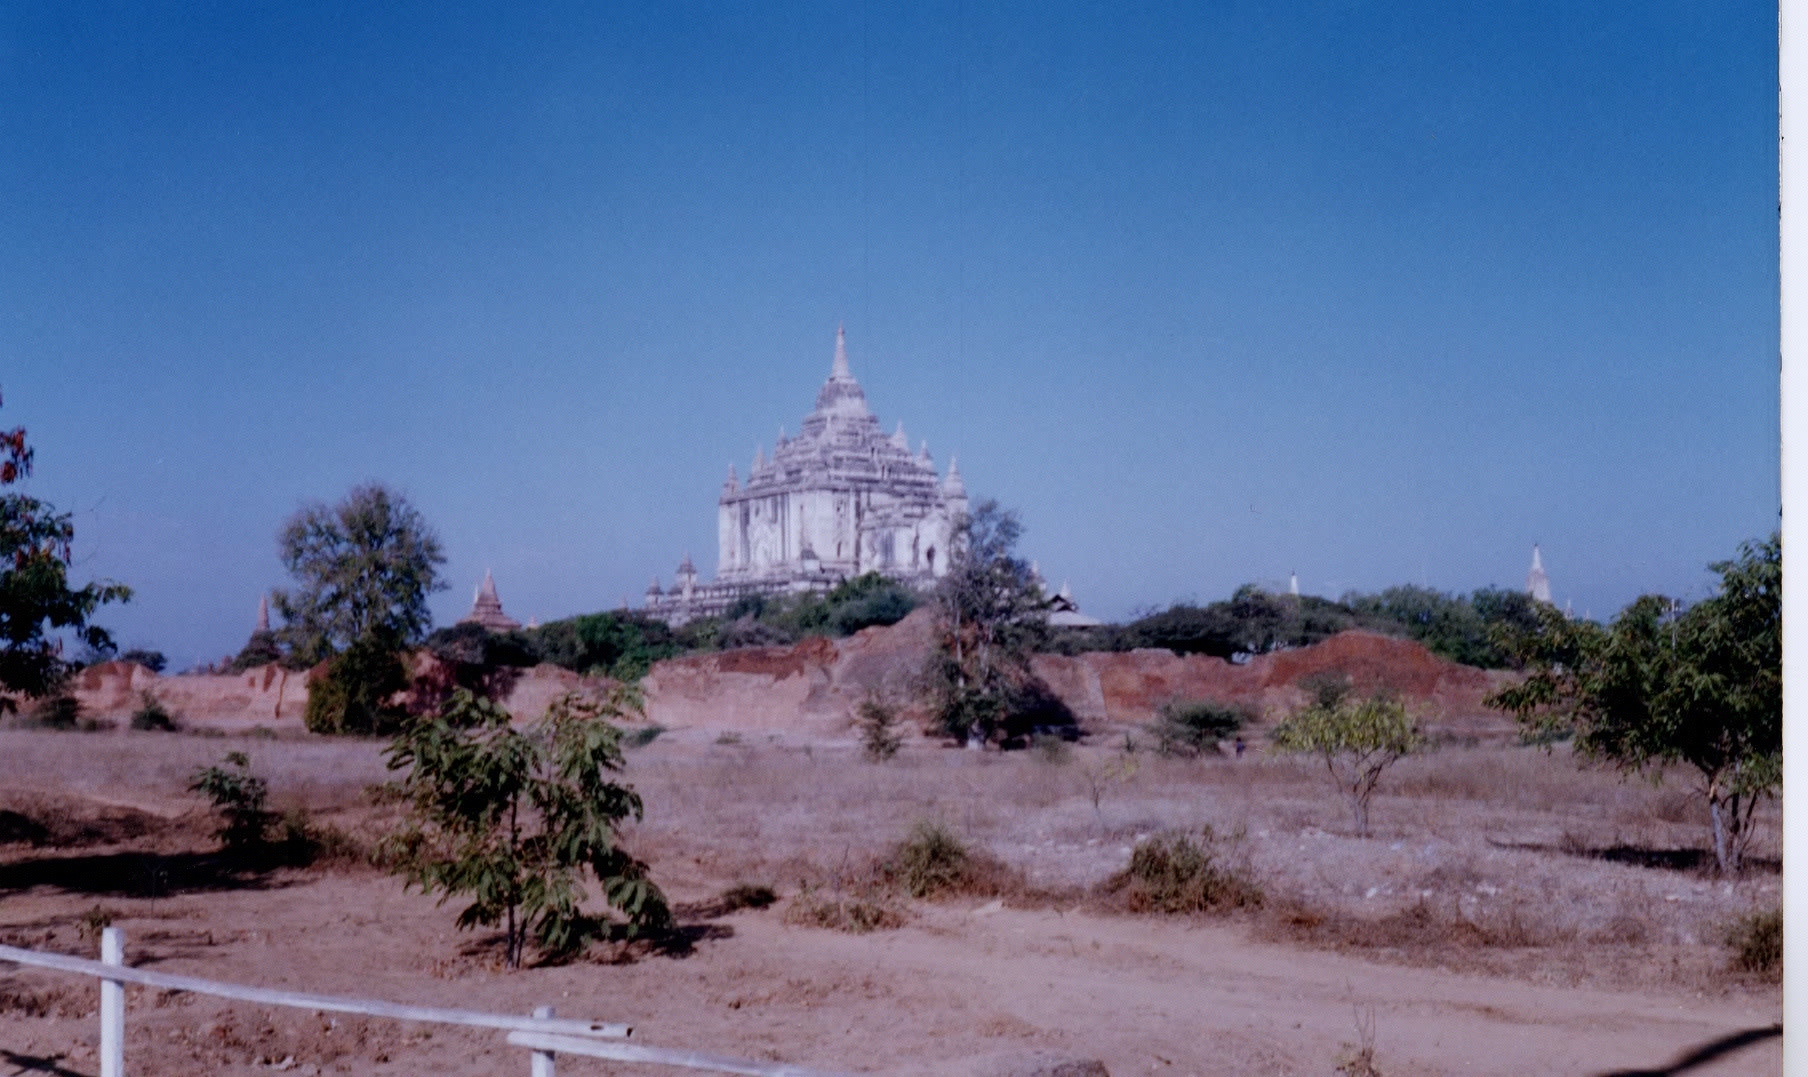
x=1357, y=739
x=515, y=819
x=240, y=799
x=355, y=695
x=1192, y=727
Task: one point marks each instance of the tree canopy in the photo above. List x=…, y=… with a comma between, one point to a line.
x=1662, y=684
x=990, y=617
x=36, y=601
x=364, y=569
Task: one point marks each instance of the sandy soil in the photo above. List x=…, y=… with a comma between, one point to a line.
x=1614, y=965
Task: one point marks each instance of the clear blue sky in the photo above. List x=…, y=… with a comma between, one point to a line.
x=1375, y=292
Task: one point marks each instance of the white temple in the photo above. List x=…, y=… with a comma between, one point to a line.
x=840, y=499
x=1537, y=584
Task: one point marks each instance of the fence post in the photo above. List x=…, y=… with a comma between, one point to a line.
x=542, y=1060
x=112, y=1006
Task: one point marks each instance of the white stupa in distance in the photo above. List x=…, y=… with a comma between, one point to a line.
x=1537, y=584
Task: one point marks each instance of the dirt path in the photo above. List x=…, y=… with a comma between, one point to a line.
x=1145, y=996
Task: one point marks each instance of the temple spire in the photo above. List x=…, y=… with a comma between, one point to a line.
x=486, y=608
x=840, y=369
x=263, y=613
x=1538, y=584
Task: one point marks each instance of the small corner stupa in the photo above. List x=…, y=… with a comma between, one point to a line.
x=486, y=608
x=1537, y=584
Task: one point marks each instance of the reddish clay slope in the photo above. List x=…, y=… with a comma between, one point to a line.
x=813, y=687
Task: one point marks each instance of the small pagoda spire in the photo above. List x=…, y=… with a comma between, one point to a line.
x=953, y=486
x=486, y=608
x=263, y=613
x=840, y=369
x=1537, y=583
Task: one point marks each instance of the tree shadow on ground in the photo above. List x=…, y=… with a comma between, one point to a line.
x=1705, y=1053
x=143, y=874
x=38, y=1064
x=1685, y=859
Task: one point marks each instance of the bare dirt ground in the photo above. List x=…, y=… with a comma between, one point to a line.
x=1511, y=915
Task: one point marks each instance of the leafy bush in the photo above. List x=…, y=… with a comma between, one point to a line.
x=57, y=712
x=152, y=715
x=1172, y=873
x=239, y=797
x=1757, y=943
x=880, y=737
x=515, y=819
x=1192, y=727
x=356, y=694
x=300, y=840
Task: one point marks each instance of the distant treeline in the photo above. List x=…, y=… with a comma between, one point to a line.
x=1462, y=628
x=624, y=644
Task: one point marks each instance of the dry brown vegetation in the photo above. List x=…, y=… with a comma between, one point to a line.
x=1504, y=861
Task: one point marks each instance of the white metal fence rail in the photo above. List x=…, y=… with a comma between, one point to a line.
x=543, y=1033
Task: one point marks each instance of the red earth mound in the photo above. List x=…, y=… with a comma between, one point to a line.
x=813, y=687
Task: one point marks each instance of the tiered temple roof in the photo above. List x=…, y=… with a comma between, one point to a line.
x=486, y=608
x=839, y=499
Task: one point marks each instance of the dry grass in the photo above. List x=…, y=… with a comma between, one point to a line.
x=1477, y=850
x=838, y=911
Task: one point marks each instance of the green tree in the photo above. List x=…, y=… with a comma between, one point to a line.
x=514, y=819
x=1357, y=739
x=1193, y=727
x=1663, y=685
x=357, y=693
x=36, y=601
x=990, y=617
x=1461, y=628
x=620, y=645
x=364, y=568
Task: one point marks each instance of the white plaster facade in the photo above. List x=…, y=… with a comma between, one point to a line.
x=840, y=499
